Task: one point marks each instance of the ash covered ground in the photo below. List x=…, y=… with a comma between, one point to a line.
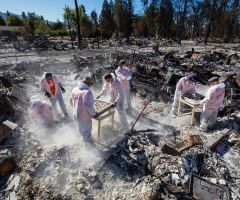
x=53, y=163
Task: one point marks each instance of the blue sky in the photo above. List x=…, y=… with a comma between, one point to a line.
x=51, y=9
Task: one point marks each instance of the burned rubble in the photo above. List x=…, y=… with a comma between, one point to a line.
x=164, y=163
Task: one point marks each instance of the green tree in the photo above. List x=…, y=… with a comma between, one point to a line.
x=85, y=22
x=196, y=23
x=67, y=20
x=58, y=28
x=8, y=13
x=14, y=21
x=232, y=30
x=78, y=23
x=165, y=22
x=24, y=15
x=151, y=14
x=31, y=19
x=58, y=25
x=94, y=18
x=2, y=22
x=41, y=27
x=122, y=15
x=140, y=26
x=69, y=16
x=86, y=25
x=106, y=20
x=111, y=5
x=120, y=18
x=130, y=13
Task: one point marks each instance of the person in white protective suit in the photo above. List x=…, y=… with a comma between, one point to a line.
x=117, y=97
x=52, y=87
x=41, y=112
x=185, y=86
x=83, y=108
x=211, y=103
x=124, y=75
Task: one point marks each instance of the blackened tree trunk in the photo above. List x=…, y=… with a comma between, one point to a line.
x=212, y=12
x=78, y=25
x=183, y=21
x=68, y=24
x=208, y=32
x=97, y=35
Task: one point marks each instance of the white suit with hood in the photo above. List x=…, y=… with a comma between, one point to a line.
x=41, y=111
x=124, y=75
x=184, y=86
x=57, y=97
x=83, y=110
x=211, y=103
x=116, y=93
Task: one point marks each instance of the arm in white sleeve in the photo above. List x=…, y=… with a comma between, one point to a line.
x=59, y=82
x=41, y=85
x=129, y=73
x=179, y=88
x=104, y=89
x=194, y=91
x=120, y=93
x=119, y=74
x=71, y=101
x=207, y=97
x=89, y=103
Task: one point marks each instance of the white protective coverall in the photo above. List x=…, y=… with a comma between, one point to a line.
x=41, y=112
x=57, y=97
x=184, y=86
x=124, y=75
x=83, y=110
x=211, y=103
x=115, y=90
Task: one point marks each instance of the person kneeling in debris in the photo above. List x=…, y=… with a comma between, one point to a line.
x=124, y=75
x=41, y=112
x=52, y=86
x=185, y=86
x=117, y=97
x=211, y=103
x=83, y=108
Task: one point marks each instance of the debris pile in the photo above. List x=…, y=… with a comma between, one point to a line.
x=43, y=43
x=138, y=156
x=158, y=74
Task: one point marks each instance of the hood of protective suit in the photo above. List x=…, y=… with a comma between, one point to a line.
x=214, y=97
x=36, y=103
x=221, y=86
x=44, y=74
x=83, y=86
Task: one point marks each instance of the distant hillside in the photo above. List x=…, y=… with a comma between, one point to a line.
x=4, y=15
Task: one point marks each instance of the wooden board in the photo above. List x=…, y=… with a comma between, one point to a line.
x=192, y=102
x=100, y=105
x=188, y=141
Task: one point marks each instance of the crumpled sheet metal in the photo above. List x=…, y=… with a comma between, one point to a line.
x=205, y=190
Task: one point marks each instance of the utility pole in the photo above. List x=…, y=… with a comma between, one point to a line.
x=78, y=25
x=68, y=23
